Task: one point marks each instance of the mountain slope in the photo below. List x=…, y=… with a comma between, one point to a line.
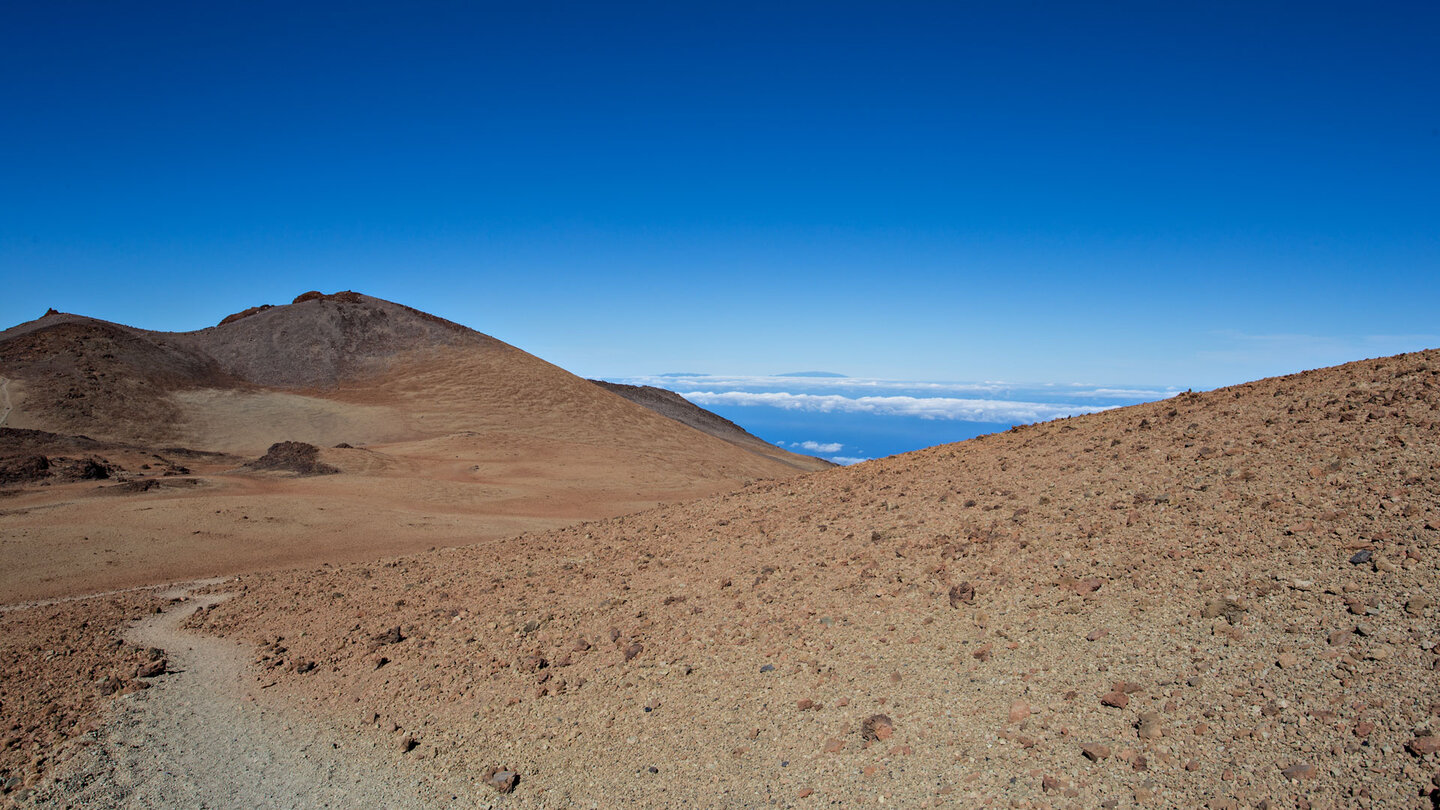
x=1221, y=599
x=443, y=436
x=326, y=368
x=673, y=406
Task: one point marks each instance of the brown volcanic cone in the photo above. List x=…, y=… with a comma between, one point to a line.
x=452, y=436
x=1225, y=598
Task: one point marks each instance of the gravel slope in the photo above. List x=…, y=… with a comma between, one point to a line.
x=1226, y=599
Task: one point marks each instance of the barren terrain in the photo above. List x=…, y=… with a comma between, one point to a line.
x=1226, y=599
x=461, y=575
x=443, y=436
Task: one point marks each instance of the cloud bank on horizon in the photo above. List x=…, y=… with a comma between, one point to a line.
x=967, y=410
x=867, y=418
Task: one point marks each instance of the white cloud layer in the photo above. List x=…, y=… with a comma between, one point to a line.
x=819, y=447
x=846, y=461
x=965, y=410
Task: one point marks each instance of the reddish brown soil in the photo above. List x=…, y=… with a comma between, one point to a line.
x=59, y=665
x=1225, y=599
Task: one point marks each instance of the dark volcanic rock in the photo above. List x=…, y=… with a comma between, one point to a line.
x=23, y=469
x=296, y=457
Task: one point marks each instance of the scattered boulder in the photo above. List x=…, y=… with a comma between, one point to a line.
x=23, y=469
x=1229, y=608
x=877, y=727
x=391, y=636
x=1424, y=746
x=501, y=779
x=296, y=457
x=962, y=594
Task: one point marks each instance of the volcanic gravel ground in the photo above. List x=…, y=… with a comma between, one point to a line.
x=200, y=739
x=1224, y=599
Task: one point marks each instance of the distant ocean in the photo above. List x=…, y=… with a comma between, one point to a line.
x=848, y=419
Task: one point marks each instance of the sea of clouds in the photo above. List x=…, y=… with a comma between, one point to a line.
x=848, y=420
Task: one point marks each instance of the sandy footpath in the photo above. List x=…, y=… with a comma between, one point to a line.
x=204, y=737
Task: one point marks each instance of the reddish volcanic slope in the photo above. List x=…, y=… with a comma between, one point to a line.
x=1223, y=599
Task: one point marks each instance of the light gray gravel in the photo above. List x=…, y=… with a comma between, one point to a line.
x=200, y=738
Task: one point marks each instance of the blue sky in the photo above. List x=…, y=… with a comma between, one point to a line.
x=1122, y=193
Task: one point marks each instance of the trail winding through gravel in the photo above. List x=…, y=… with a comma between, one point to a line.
x=201, y=738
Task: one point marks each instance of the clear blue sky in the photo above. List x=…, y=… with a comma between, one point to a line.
x=1162, y=193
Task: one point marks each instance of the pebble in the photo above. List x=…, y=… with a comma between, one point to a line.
x=1019, y=711
x=1300, y=770
x=877, y=727
x=1095, y=751
x=502, y=780
x=1424, y=746
x=1148, y=726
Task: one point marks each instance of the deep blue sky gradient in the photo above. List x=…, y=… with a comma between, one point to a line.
x=1172, y=194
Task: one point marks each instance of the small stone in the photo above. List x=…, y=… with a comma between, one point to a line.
x=151, y=669
x=1424, y=746
x=580, y=645
x=1148, y=726
x=1361, y=557
x=805, y=704
x=1049, y=783
x=502, y=780
x=964, y=593
x=1097, y=634
x=1095, y=751
x=768, y=668
x=1019, y=711
x=833, y=746
x=407, y=744
x=1228, y=608
x=805, y=794
x=1118, y=700
x=1286, y=661
x=1363, y=729
x=1418, y=605
x=877, y=727
x=633, y=650
x=1300, y=770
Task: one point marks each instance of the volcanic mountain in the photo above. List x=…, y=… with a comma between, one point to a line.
x=442, y=434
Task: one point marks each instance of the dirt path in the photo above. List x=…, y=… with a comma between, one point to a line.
x=203, y=737
x=4, y=399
